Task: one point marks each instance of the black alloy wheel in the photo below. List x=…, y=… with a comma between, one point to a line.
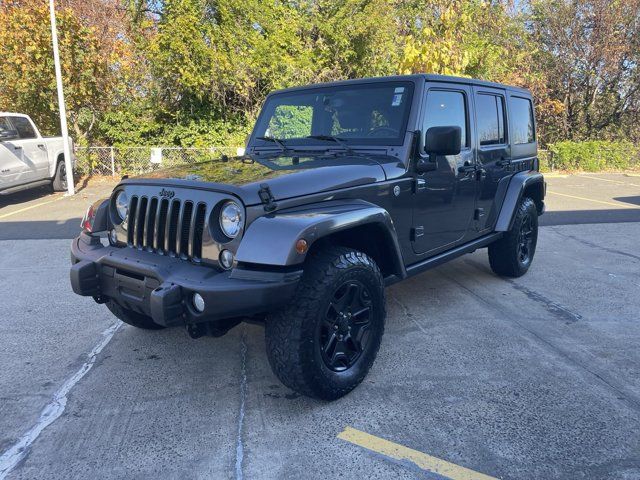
x=525, y=240
x=344, y=333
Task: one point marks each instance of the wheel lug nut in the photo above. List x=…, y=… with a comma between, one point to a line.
x=335, y=327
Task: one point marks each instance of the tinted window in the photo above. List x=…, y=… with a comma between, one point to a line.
x=521, y=112
x=375, y=114
x=6, y=129
x=446, y=109
x=23, y=126
x=490, y=117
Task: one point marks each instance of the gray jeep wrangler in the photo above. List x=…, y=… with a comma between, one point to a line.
x=345, y=188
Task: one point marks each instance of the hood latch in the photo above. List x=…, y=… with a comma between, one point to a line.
x=267, y=198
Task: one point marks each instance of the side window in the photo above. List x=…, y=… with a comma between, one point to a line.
x=445, y=108
x=522, y=125
x=6, y=129
x=490, y=117
x=24, y=128
x=290, y=121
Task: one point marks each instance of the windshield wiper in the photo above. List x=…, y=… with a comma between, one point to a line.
x=332, y=138
x=277, y=141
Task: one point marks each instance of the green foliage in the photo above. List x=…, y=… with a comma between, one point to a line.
x=196, y=72
x=291, y=121
x=591, y=156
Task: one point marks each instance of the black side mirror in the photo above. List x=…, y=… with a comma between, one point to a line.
x=440, y=141
x=443, y=141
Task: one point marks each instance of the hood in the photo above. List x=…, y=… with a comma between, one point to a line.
x=288, y=176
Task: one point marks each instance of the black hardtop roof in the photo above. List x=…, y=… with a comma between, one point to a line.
x=429, y=77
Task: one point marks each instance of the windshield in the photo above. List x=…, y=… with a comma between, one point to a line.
x=365, y=114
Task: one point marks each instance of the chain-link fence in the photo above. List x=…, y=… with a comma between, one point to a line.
x=118, y=161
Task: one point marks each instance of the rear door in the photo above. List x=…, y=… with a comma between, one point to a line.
x=34, y=150
x=445, y=198
x=494, y=154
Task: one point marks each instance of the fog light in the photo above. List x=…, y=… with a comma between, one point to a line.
x=198, y=302
x=226, y=259
x=113, y=237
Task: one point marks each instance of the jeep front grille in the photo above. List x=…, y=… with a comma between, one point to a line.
x=168, y=227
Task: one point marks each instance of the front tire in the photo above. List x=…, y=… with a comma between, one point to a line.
x=511, y=256
x=132, y=318
x=325, y=341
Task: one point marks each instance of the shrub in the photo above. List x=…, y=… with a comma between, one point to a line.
x=590, y=156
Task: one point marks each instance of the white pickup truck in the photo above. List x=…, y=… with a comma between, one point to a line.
x=27, y=159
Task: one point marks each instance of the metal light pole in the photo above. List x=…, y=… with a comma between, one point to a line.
x=61, y=106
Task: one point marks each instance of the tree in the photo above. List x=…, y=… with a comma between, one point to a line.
x=27, y=77
x=590, y=50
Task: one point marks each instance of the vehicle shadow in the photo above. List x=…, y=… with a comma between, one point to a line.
x=40, y=230
x=577, y=217
x=25, y=196
x=38, y=193
x=632, y=200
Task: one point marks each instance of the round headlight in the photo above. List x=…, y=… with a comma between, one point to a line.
x=122, y=205
x=231, y=218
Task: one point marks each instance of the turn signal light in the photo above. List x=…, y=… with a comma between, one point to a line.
x=87, y=221
x=302, y=246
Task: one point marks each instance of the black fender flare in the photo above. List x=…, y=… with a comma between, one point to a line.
x=517, y=186
x=271, y=239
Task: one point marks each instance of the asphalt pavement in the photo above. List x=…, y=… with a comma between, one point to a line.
x=477, y=376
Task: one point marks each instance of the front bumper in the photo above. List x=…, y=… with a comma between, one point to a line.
x=163, y=287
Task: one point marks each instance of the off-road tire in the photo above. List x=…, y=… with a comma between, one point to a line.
x=505, y=255
x=293, y=348
x=59, y=183
x=132, y=318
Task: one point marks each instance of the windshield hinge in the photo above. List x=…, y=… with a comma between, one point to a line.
x=267, y=198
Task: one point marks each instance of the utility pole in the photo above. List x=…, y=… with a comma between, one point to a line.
x=61, y=105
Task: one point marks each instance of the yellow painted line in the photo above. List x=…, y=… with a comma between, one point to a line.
x=619, y=205
x=5, y=215
x=400, y=452
x=608, y=180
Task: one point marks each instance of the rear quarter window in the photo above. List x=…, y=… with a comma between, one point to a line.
x=522, y=124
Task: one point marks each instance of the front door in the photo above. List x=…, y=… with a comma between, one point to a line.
x=445, y=198
x=12, y=168
x=494, y=154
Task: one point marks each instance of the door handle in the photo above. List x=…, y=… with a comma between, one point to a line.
x=6, y=170
x=42, y=145
x=17, y=147
x=467, y=167
x=503, y=162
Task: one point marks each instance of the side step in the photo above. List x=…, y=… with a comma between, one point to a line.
x=444, y=257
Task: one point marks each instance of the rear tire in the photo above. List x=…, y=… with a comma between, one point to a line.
x=59, y=183
x=511, y=256
x=324, y=342
x=132, y=318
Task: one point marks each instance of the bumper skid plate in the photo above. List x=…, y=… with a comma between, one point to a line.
x=163, y=287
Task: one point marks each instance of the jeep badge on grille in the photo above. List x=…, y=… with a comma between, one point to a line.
x=167, y=193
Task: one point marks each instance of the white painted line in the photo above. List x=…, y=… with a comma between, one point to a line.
x=52, y=411
x=243, y=399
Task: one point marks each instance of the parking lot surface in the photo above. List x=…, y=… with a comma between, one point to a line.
x=533, y=378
